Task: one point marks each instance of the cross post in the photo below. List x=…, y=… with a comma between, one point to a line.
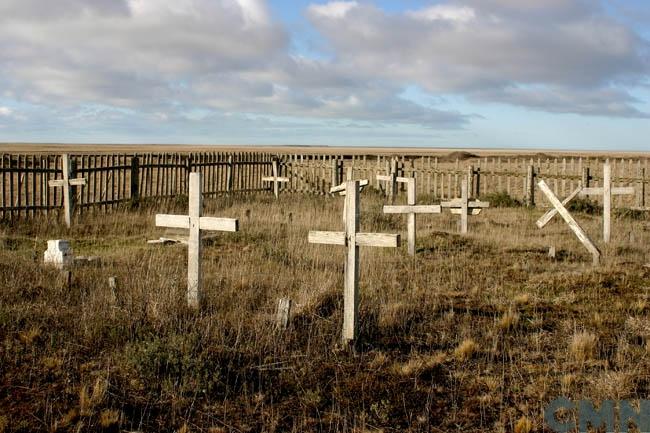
x=341, y=189
x=411, y=209
x=352, y=239
x=67, y=183
x=196, y=224
x=464, y=206
x=276, y=179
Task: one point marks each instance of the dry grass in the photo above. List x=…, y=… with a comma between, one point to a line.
x=475, y=334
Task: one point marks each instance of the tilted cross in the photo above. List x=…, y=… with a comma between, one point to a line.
x=352, y=239
x=391, y=180
x=276, y=179
x=607, y=191
x=67, y=183
x=196, y=224
x=463, y=206
x=411, y=209
x=571, y=222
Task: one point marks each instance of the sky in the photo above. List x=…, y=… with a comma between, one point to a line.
x=552, y=74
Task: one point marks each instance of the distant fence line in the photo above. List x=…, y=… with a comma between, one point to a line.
x=116, y=179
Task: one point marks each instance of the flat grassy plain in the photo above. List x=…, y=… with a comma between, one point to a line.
x=474, y=334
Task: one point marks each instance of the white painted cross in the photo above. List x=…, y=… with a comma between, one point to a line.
x=391, y=180
x=607, y=191
x=196, y=224
x=67, y=183
x=463, y=206
x=411, y=209
x=352, y=239
x=573, y=225
x=276, y=179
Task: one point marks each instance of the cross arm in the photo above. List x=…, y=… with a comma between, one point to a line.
x=173, y=221
x=78, y=181
x=219, y=224
x=56, y=182
x=471, y=211
x=619, y=190
x=275, y=179
x=413, y=209
x=386, y=177
x=363, y=239
x=329, y=238
x=471, y=204
x=551, y=213
x=341, y=188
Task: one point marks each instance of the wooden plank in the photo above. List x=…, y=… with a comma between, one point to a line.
x=553, y=211
x=328, y=238
x=173, y=221
x=384, y=240
x=573, y=225
x=418, y=209
x=618, y=190
x=219, y=224
x=351, y=287
x=464, y=206
x=607, y=201
x=194, y=289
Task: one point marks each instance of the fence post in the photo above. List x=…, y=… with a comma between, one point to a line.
x=477, y=180
x=72, y=174
x=530, y=186
x=335, y=171
x=470, y=180
x=135, y=180
x=229, y=175
x=188, y=170
x=585, y=177
x=641, y=197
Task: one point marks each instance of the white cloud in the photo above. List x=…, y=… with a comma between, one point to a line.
x=337, y=9
x=460, y=14
x=5, y=111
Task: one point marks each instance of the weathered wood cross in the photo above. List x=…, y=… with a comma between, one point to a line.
x=463, y=206
x=67, y=183
x=276, y=179
x=196, y=224
x=607, y=191
x=352, y=239
x=341, y=189
x=391, y=180
x=411, y=209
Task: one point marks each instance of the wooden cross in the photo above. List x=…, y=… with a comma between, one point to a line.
x=411, y=209
x=67, y=183
x=352, y=239
x=196, y=224
x=573, y=225
x=341, y=189
x=463, y=206
x=276, y=179
x=391, y=180
x=607, y=191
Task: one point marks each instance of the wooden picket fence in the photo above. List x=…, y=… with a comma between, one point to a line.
x=114, y=180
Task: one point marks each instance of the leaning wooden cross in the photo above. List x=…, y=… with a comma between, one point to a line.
x=341, y=189
x=573, y=225
x=464, y=206
x=276, y=179
x=67, y=183
x=411, y=209
x=196, y=224
x=352, y=239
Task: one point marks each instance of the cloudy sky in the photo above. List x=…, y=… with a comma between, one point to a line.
x=570, y=74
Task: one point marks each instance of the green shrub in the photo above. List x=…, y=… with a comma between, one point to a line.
x=584, y=205
x=501, y=199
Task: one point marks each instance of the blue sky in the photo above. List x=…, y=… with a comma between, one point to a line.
x=564, y=74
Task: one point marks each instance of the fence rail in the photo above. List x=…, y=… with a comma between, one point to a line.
x=116, y=179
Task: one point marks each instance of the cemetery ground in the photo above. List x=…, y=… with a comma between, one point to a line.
x=475, y=333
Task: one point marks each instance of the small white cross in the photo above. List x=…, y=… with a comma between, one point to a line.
x=275, y=179
x=67, y=183
x=196, y=224
x=391, y=180
x=463, y=206
x=411, y=209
